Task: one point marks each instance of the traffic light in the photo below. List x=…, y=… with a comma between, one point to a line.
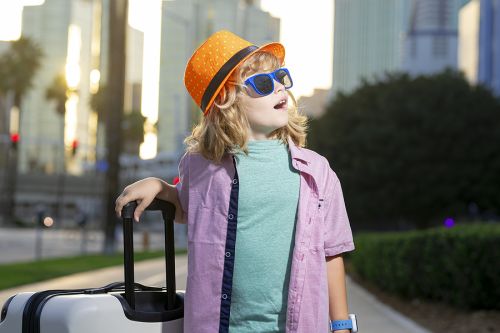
x=74, y=147
x=14, y=140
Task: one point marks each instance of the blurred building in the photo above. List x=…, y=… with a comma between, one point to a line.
x=367, y=40
x=316, y=104
x=479, y=42
x=74, y=42
x=74, y=37
x=430, y=40
x=371, y=38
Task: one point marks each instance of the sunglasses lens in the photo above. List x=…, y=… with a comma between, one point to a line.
x=264, y=84
x=284, y=78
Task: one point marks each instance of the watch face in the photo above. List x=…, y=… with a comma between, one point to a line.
x=354, y=322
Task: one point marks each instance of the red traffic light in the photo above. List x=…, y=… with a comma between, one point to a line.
x=74, y=147
x=176, y=180
x=14, y=140
x=14, y=137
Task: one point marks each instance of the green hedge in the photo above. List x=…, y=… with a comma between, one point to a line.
x=459, y=266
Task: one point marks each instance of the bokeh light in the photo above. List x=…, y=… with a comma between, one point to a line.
x=48, y=221
x=449, y=222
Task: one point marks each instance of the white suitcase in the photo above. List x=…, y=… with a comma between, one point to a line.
x=119, y=307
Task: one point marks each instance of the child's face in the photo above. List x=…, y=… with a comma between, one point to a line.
x=265, y=113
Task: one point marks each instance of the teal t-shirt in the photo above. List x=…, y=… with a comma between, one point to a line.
x=267, y=211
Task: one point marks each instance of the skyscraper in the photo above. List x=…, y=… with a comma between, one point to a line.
x=479, y=42
x=74, y=36
x=430, y=39
x=367, y=40
x=73, y=39
x=373, y=37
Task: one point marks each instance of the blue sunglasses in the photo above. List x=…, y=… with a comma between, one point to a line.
x=263, y=83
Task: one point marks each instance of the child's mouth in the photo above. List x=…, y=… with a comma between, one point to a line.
x=281, y=105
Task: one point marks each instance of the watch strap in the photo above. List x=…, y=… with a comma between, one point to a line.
x=336, y=325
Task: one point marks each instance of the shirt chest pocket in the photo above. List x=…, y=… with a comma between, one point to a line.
x=317, y=224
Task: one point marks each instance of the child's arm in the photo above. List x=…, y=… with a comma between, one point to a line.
x=144, y=191
x=337, y=294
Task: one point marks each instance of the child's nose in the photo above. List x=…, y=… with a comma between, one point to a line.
x=278, y=87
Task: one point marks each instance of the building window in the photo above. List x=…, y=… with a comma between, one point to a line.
x=440, y=46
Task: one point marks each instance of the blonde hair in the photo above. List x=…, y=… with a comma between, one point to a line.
x=225, y=128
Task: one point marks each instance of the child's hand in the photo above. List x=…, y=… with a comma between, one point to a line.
x=143, y=192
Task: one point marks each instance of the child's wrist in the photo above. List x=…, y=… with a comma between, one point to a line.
x=344, y=326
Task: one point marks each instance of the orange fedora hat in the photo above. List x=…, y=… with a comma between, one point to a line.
x=215, y=60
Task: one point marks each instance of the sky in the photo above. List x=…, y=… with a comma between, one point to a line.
x=307, y=34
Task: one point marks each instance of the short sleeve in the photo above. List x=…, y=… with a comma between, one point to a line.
x=338, y=235
x=182, y=186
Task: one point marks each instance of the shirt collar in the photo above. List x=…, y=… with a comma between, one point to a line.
x=302, y=161
x=298, y=153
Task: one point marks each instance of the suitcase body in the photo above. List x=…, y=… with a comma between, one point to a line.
x=118, y=307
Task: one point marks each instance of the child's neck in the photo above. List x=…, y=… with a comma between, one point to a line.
x=259, y=137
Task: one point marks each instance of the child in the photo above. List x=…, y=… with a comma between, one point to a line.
x=266, y=218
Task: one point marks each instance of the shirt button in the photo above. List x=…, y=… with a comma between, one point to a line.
x=224, y=296
x=228, y=254
x=231, y=216
x=235, y=181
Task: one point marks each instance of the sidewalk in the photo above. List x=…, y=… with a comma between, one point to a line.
x=373, y=316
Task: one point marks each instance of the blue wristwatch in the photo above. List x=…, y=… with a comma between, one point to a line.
x=349, y=324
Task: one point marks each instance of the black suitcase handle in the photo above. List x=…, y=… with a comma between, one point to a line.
x=168, y=212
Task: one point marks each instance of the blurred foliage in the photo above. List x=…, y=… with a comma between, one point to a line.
x=456, y=265
x=18, y=66
x=133, y=132
x=98, y=103
x=411, y=151
x=57, y=92
x=132, y=125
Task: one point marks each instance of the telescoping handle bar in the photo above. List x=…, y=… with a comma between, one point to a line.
x=168, y=212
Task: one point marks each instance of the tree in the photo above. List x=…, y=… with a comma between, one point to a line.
x=57, y=92
x=132, y=123
x=18, y=66
x=133, y=131
x=98, y=102
x=413, y=151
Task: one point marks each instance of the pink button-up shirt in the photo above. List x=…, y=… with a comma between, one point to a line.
x=208, y=193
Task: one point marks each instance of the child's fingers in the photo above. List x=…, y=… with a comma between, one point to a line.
x=141, y=206
x=121, y=201
x=119, y=205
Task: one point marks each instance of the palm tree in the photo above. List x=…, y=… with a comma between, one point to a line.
x=57, y=92
x=23, y=60
x=19, y=65
x=132, y=122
